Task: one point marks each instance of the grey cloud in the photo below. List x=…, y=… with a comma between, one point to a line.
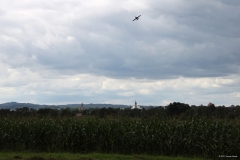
x=172, y=39
x=231, y=3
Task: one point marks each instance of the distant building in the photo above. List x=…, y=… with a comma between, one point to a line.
x=78, y=114
x=81, y=108
x=210, y=104
x=136, y=106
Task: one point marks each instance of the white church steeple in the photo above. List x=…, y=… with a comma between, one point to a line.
x=136, y=106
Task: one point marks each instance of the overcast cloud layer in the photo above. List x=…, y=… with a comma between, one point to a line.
x=61, y=52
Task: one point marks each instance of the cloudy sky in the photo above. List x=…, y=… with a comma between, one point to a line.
x=74, y=51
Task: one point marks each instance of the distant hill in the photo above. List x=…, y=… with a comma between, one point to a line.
x=14, y=105
x=91, y=105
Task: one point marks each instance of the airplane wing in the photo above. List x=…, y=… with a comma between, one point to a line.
x=136, y=18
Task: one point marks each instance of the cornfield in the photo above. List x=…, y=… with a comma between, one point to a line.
x=194, y=137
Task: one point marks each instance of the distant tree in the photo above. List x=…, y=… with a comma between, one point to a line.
x=190, y=112
x=161, y=112
x=66, y=112
x=237, y=111
x=176, y=108
x=203, y=111
x=211, y=107
x=121, y=113
x=153, y=112
x=220, y=112
x=112, y=111
x=102, y=112
x=4, y=112
x=22, y=111
x=53, y=113
x=44, y=111
x=135, y=113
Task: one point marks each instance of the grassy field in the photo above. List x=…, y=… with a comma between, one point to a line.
x=92, y=156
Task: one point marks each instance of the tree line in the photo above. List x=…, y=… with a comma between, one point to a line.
x=175, y=109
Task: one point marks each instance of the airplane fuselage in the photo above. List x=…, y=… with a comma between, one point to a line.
x=136, y=18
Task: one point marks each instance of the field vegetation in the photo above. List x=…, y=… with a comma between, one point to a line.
x=170, y=137
x=172, y=131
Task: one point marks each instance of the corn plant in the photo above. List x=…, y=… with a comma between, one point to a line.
x=193, y=137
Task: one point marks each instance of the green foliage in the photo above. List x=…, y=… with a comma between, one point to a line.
x=175, y=109
x=192, y=137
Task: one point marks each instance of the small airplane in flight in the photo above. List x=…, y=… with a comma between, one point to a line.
x=136, y=18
